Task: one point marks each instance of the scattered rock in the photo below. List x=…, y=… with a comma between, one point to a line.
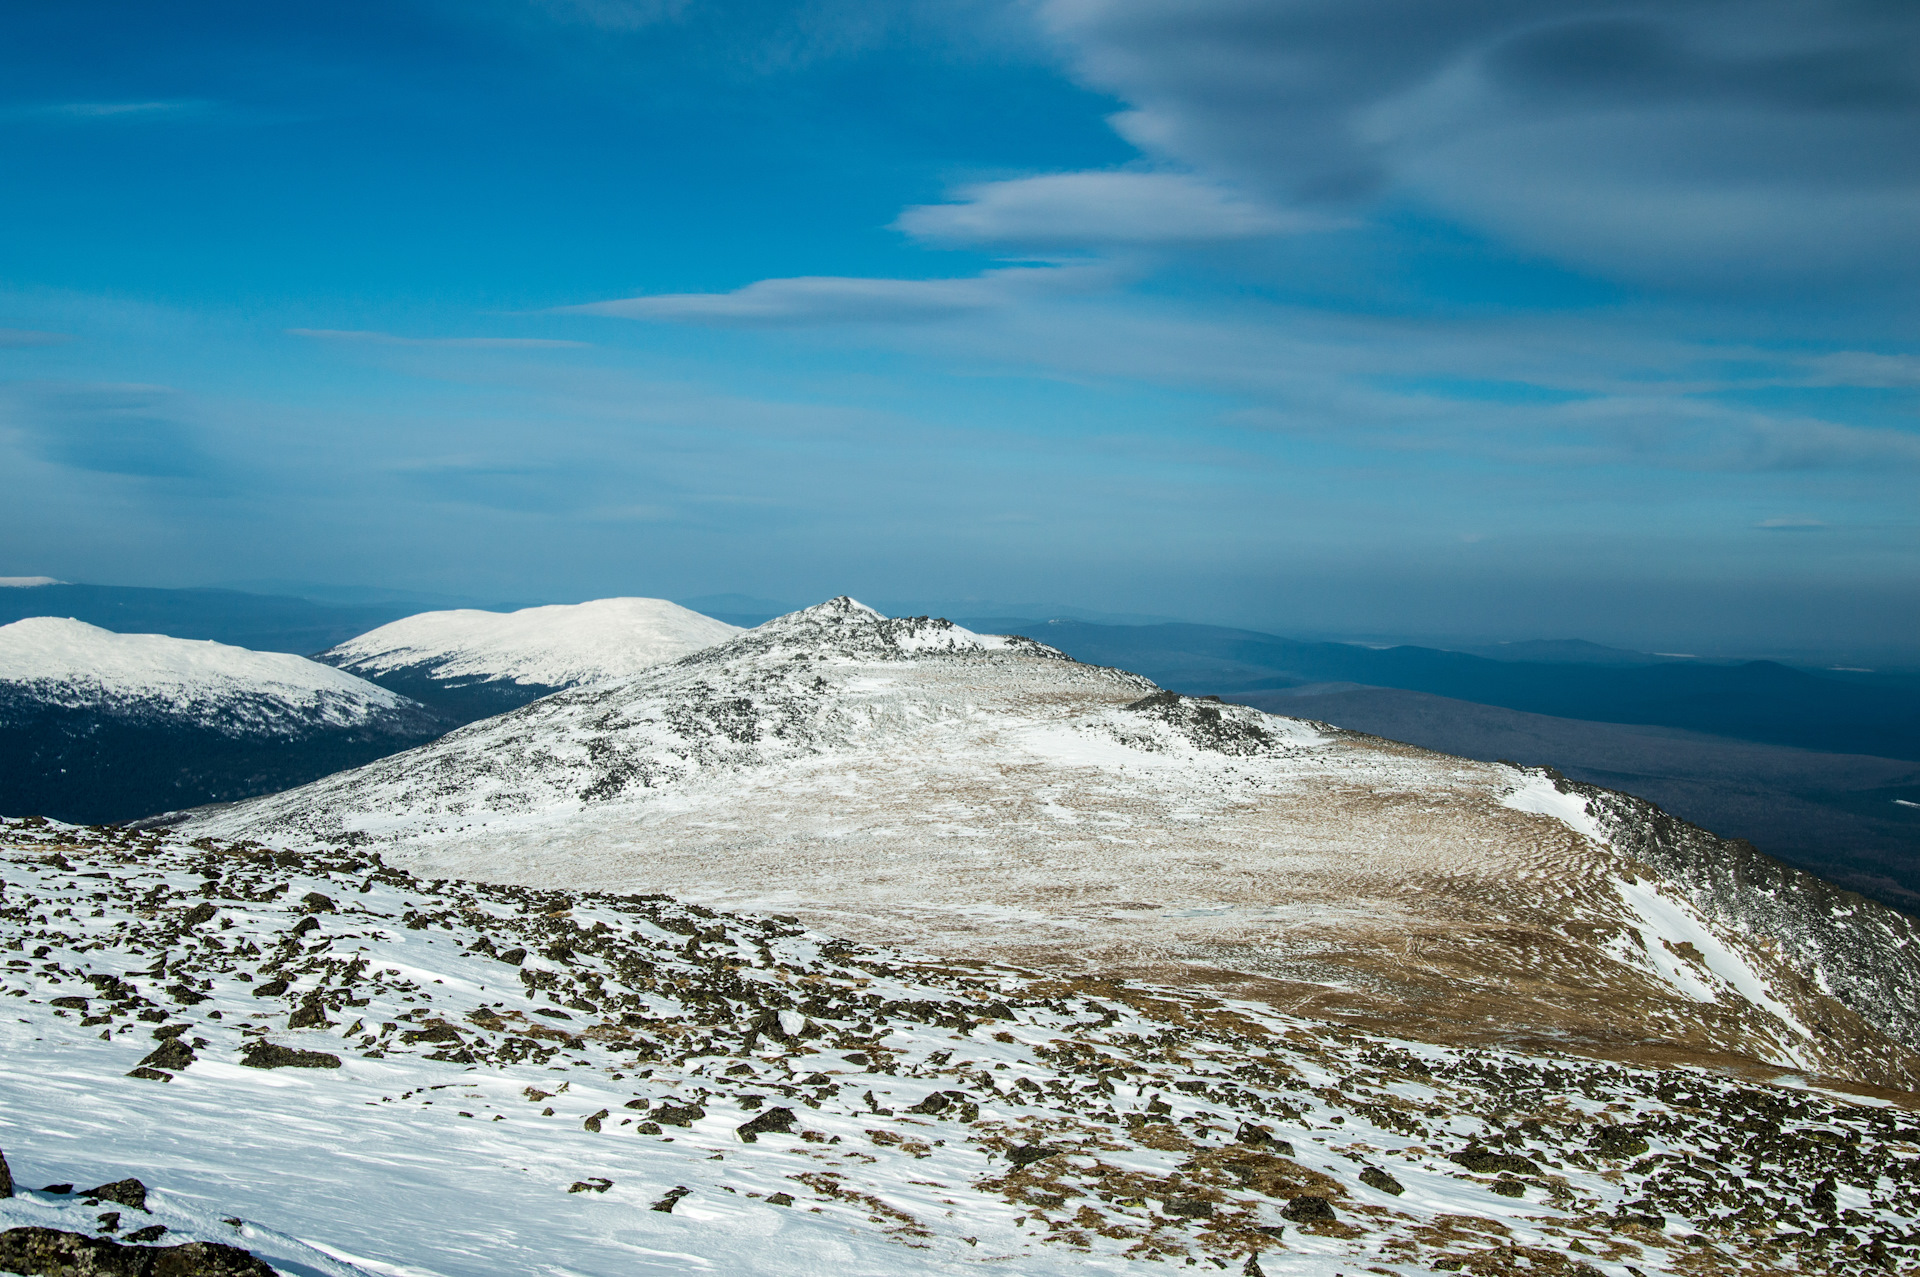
x=271, y=989
x=1508, y=1188
x=1028, y=1154
x=593, y=1184
x=260, y=1054
x=1374, y=1177
x=151, y=1233
x=779, y=1199
x=1189, y=1207
x=172, y=1054
x=1619, y=1142
x=109, y=1222
x=774, y=1119
x=514, y=957
x=70, y=1003
x=6, y=1176
x=314, y=902
x=1309, y=1209
x=200, y=913
x=678, y=1114
x=127, y=1192
x=1485, y=1161
x=593, y=1122
x=50, y=1252
x=151, y=1075
x=305, y=925
x=672, y=1199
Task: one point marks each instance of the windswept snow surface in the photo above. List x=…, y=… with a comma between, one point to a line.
x=70, y=665
x=557, y=646
x=570, y=1083
x=977, y=797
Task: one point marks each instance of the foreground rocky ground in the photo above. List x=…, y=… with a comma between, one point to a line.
x=340, y=1068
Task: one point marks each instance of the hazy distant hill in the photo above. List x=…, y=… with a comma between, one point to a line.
x=262, y=622
x=1757, y=700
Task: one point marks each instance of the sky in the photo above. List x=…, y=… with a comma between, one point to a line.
x=1483, y=318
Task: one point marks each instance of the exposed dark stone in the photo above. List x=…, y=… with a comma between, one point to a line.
x=678, y=1114
x=260, y=1054
x=552, y=1013
x=1508, y=1188
x=310, y=1014
x=1309, y=1210
x=127, y=1192
x=182, y=994
x=151, y=1233
x=63, y=1189
x=779, y=1199
x=70, y=1002
x=1189, y=1207
x=514, y=957
x=774, y=1119
x=1374, y=1177
x=1485, y=1161
x=151, y=1075
x=1619, y=1141
x=1028, y=1154
x=6, y=1176
x=671, y=1199
x=50, y=1252
x=593, y=1122
x=110, y=1222
x=271, y=989
x=305, y=925
x=431, y=1033
x=200, y=913
x=170, y=1054
x=314, y=902
x=595, y=1184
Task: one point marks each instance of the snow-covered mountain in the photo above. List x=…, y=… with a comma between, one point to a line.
x=476, y=664
x=343, y=1070
x=986, y=798
x=99, y=726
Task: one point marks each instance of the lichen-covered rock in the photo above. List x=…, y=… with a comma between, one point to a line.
x=51, y=1252
x=260, y=1054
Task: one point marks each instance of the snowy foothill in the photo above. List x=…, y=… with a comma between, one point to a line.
x=345, y=1069
x=68, y=664
x=556, y=646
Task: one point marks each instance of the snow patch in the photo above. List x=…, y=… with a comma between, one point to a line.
x=1539, y=797
x=27, y=582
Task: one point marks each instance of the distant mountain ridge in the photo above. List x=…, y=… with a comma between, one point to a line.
x=472, y=664
x=989, y=798
x=99, y=726
x=1756, y=700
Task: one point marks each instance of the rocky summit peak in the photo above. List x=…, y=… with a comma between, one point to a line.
x=845, y=628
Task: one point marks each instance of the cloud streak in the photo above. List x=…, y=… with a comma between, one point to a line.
x=812, y=300
x=453, y=343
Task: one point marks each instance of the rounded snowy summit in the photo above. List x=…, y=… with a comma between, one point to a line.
x=562, y=645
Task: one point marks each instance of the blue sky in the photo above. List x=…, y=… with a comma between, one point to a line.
x=1494, y=319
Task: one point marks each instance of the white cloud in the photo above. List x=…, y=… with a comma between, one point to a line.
x=474, y=343
x=1096, y=209
x=834, y=299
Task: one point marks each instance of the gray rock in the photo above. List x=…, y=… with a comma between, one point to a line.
x=127, y=1192
x=50, y=1252
x=1309, y=1209
x=259, y=1054
x=774, y=1119
x=172, y=1054
x=6, y=1176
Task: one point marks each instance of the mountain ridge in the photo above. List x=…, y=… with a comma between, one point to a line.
x=969, y=795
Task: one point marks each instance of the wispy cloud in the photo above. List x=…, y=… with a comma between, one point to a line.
x=833, y=299
x=1096, y=209
x=115, y=110
x=1791, y=523
x=471, y=343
